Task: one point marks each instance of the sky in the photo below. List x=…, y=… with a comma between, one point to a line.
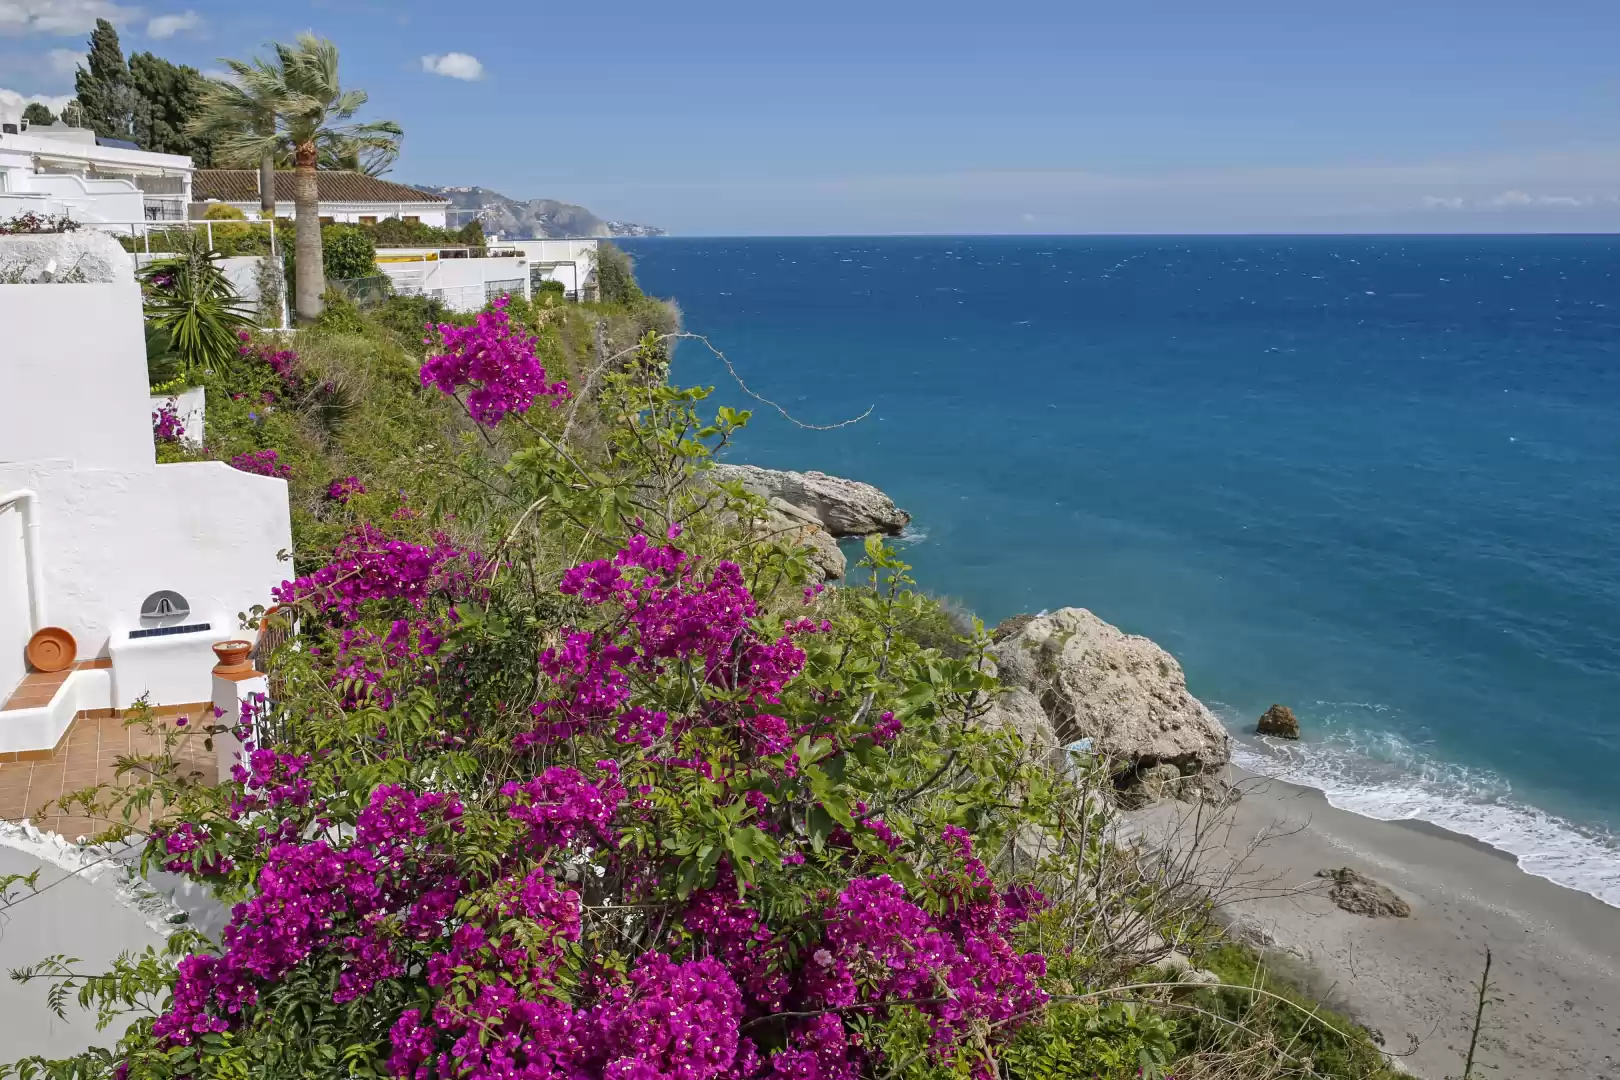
x=898, y=117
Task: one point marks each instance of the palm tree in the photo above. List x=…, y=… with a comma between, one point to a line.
x=247, y=103
x=312, y=112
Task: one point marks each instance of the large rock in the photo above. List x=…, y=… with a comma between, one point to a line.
x=843, y=507
x=1279, y=721
x=787, y=522
x=1122, y=691
x=1020, y=710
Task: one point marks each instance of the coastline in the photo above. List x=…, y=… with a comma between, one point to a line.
x=1555, y=973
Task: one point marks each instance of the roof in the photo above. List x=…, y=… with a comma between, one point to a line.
x=116, y=144
x=333, y=185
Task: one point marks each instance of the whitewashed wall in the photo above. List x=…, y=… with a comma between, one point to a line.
x=74, y=364
x=115, y=526
x=14, y=627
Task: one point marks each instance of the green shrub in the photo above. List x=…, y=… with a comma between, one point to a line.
x=615, y=276
x=1119, y=1040
x=348, y=252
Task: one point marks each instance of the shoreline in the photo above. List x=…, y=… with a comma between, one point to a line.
x=1556, y=950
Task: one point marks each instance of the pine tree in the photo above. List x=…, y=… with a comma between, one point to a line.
x=37, y=113
x=105, y=91
x=167, y=99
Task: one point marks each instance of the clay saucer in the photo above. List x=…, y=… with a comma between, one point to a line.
x=52, y=649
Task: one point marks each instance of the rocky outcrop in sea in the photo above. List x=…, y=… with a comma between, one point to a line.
x=842, y=507
x=816, y=510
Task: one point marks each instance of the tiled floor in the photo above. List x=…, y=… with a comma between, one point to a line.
x=87, y=755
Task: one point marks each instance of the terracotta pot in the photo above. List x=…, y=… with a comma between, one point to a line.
x=51, y=649
x=233, y=655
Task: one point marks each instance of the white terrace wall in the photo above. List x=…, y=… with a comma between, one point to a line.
x=75, y=427
x=462, y=284
x=14, y=628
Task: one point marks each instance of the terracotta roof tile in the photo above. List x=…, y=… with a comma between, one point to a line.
x=339, y=186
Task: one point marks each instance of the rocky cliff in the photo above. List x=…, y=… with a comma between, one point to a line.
x=533, y=219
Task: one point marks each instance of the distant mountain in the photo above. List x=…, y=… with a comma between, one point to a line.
x=514, y=219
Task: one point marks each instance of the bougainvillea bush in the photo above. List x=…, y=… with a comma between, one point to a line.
x=578, y=783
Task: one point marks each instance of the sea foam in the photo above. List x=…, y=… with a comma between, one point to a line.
x=1401, y=783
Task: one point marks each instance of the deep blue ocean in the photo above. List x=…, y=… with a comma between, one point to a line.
x=1375, y=479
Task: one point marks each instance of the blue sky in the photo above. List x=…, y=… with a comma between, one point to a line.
x=890, y=116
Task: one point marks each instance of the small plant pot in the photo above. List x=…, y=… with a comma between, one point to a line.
x=233, y=655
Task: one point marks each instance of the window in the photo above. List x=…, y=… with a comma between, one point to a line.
x=413, y=219
x=328, y=220
x=368, y=219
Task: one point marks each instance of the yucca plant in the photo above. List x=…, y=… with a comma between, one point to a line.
x=191, y=301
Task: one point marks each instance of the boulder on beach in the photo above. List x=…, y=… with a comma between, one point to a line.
x=1361, y=895
x=1278, y=721
x=1121, y=691
x=842, y=507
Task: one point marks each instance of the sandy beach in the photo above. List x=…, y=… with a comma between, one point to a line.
x=1556, y=969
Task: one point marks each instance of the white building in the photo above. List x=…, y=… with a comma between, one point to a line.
x=347, y=197
x=65, y=171
x=456, y=276
x=570, y=261
x=146, y=566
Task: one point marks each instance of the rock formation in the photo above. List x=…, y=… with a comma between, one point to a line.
x=785, y=521
x=1279, y=721
x=1360, y=895
x=842, y=507
x=1122, y=691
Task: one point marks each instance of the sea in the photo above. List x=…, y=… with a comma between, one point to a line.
x=1376, y=479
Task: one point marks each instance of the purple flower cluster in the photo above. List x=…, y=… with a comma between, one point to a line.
x=494, y=361
x=262, y=463
x=284, y=362
x=344, y=488
x=959, y=968
x=302, y=892
x=673, y=612
x=166, y=425
x=367, y=565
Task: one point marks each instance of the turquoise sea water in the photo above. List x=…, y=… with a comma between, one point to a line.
x=1376, y=479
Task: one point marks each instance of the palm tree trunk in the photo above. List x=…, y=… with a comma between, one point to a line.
x=267, y=186
x=311, y=273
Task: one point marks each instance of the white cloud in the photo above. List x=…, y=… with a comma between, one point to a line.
x=19, y=17
x=455, y=65
x=64, y=61
x=1509, y=199
x=1444, y=202
x=12, y=103
x=166, y=26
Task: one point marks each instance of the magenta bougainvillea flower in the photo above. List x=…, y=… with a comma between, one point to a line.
x=262, y=463
x=493, y=362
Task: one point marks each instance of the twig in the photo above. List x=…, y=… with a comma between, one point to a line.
x=1479, y=1016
